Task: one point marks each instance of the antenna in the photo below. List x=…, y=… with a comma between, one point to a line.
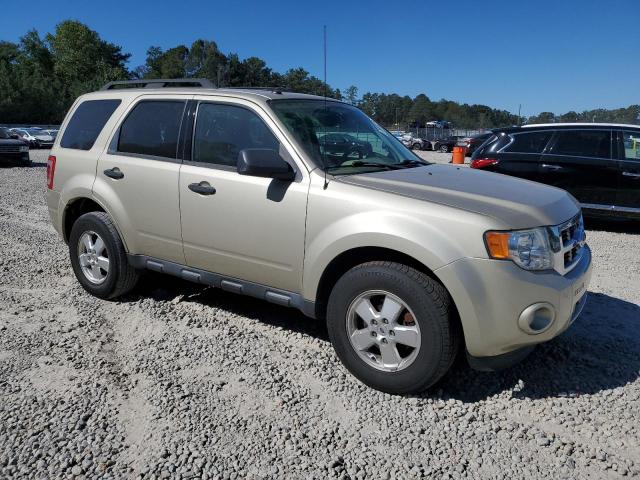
x=324, y=31
x=324, y=51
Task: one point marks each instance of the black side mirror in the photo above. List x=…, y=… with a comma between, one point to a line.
x=264, y=162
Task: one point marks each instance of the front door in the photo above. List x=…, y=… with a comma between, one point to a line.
x=580, y=162
x=249, y=228
x=138, y=178
x=629, y=192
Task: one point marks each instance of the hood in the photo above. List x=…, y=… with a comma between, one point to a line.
x=11, y=141
x=44, y=138
x=514, y=202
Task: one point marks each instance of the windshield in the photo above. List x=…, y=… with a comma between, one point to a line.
x=341, y=139
x=35, y=131
x=4, y=134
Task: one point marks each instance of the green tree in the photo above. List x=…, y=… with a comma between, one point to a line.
x=351, y=94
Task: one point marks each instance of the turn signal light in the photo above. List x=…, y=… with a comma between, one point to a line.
x=483, y=162
x=498, y=244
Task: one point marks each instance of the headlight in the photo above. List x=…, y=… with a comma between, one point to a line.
x=529, y=249
x=24, y=148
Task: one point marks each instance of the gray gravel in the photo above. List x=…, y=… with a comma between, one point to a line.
x=178, y=380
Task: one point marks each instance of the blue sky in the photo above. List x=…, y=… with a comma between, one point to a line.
x=547, y=55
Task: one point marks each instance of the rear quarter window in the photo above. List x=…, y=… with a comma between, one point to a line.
x=87, y=122
x=530, y=142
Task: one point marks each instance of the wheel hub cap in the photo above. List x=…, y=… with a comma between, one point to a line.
x=383, y=331
x=93, y=257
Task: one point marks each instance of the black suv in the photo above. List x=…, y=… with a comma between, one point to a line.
x=13, y=150
x=598, y=163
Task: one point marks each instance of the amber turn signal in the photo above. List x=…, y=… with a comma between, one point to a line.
x=497, y=244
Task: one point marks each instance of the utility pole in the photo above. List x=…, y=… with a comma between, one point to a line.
x=519, y=117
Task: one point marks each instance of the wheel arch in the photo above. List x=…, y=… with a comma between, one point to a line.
x=77, y=207
x=348, y=259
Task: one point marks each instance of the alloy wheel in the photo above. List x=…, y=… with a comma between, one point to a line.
x=93, y=257
x=383, y=330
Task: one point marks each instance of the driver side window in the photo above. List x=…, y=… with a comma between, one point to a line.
x=223, y=130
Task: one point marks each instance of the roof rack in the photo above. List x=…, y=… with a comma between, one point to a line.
x=159, y=83
x=268, y=89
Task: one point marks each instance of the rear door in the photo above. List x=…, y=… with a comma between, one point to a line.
x=581, y=162
x=137, y=177
x=629, y=191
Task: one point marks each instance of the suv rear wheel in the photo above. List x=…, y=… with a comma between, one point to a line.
x=390, y=325
x=98, y=257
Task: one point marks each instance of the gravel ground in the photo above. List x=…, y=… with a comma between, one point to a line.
x=178, y=380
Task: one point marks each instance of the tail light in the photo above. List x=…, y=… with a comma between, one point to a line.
x=51, y=170
x=483, y=162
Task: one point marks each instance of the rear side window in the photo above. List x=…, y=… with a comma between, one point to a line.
x=583, y=143
x=223, y=130
x=152, y=128
x=87, y=122
x=531, y=142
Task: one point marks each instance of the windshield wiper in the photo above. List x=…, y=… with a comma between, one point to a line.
x=360, y=163
x=413, y=163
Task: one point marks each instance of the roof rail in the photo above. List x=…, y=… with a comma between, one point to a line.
x=159, y=83
x=267, y=89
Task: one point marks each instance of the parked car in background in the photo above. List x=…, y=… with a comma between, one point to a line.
x=53, y=132
x=597, y=163
x=35, y=137
x=13, y=150
x=445, y=144
x=415, y=143
x=345, y=145
x=438, y=124
x=473, y=142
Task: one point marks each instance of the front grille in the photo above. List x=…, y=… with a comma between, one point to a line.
x=571, y=236
x=9, y=148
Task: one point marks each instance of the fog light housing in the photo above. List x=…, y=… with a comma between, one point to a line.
x=537, y=318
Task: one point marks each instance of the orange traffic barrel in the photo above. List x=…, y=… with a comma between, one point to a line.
x=458, y=155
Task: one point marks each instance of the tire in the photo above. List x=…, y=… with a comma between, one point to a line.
x=443, y=148
x=119, y=277
x=428, y=306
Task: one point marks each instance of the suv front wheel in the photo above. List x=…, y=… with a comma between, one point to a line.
x=391, y=326
x=98, y=257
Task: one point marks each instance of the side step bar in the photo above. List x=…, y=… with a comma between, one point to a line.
x=233, y=285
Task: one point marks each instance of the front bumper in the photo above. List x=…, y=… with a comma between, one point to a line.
x=18, y=157
x=491, y=295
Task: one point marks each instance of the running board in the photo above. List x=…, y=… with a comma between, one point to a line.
x=229, y=284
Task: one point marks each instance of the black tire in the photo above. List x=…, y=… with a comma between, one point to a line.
x=121, y=277
x=431, y=305
x=443, y=148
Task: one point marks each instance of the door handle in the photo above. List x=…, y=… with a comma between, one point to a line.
x=203, y=188
x=631, y=174
x=551, y=167
x=114, y=173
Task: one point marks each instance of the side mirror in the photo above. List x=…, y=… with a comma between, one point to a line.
x=264, y=162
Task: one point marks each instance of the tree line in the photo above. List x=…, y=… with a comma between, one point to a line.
x=40, y=77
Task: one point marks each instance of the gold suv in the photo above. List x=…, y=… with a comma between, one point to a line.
x=305, y=202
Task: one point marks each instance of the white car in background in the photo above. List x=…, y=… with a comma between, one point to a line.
x=36, y=137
